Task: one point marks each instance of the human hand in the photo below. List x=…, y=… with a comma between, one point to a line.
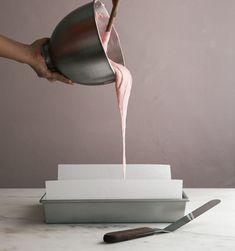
x=38, y=63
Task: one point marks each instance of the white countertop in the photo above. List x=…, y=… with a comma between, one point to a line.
x=22, y=227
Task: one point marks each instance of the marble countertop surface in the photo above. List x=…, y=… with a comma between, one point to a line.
x=22, y=227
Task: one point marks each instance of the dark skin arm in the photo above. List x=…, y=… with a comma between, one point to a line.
x=31, y=55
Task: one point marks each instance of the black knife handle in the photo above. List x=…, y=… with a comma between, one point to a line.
x=129, y=234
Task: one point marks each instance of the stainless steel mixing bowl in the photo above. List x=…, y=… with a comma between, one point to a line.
x=75, y=47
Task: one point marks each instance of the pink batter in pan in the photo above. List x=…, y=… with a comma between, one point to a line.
x=123, y=90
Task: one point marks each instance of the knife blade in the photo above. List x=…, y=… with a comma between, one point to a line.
x=191, y=216
x=130, y=234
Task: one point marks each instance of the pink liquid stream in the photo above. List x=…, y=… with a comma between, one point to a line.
x=123, y=89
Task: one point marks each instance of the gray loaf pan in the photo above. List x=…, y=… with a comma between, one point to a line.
x=113, y=211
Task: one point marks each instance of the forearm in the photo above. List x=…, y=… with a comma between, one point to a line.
x=14, y=50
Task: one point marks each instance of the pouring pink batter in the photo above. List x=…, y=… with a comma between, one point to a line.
x=123, y=90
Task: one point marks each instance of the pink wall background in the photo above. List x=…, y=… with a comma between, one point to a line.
x=182, y=56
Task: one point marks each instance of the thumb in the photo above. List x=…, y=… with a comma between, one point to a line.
x=40, y=42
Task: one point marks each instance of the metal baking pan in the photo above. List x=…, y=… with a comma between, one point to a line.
x=113, y=211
